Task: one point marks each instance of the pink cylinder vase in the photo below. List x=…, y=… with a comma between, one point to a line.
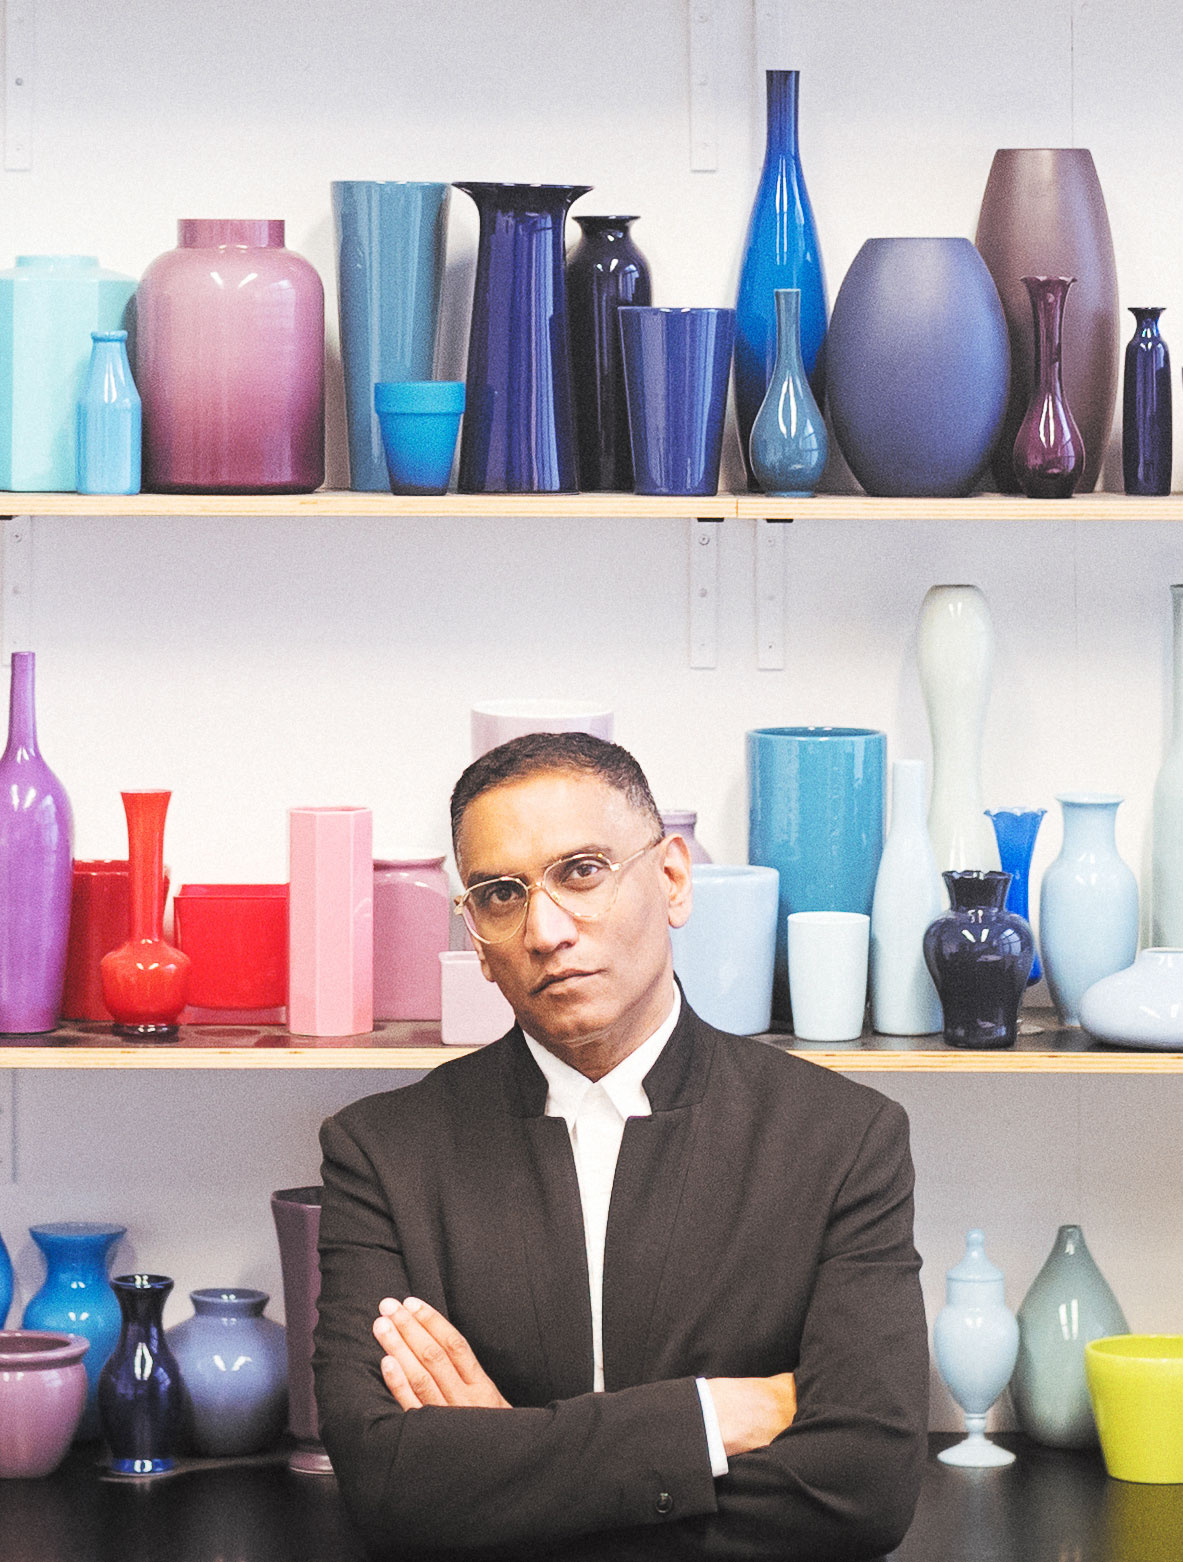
x=230, y=362
x=331, y=922
x=412, y=915
x=296, y=1212
x=42, y=1395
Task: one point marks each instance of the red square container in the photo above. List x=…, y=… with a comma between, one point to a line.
x=236, y=935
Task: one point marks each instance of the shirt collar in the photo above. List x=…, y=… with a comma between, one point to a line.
x=623, y=1085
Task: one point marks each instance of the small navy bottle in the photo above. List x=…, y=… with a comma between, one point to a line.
x=141, y=1395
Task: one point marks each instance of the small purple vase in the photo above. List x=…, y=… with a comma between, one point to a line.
x=1049, y=452
x=36, y=870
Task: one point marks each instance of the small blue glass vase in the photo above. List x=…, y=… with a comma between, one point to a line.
x=1015, y=830
x=141, y=1396
x=1146, y=441
x=5, y=1283
x=109, y=420
x=789, y=445
x=233, y=1364
x=76, y=1297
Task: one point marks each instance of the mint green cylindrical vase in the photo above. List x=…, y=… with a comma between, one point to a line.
x=49, y=305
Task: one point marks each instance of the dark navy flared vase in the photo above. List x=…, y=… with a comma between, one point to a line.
x=519, y=424
x=781, y=252
x=141, y=1396
x=1146, y=439
x=979, y=956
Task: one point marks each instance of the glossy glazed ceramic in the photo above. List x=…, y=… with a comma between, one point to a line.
x=1069, y=1304
x=827, y=959
x=1049, y=454
x=1166, y=879
x=1088, y=904
x=788, y=445
x=412, y=925
x=979, y=957
x=419, y=422
x=494, y=722
x=230, y=363
x=49, y=305
x=975, y=1341
x=724, y=955
x=908, y=897
x=236, y=938
x=1141, y=1006
x=76, y=1296
x=605, y=270
x=1015, y=830
x=233, y=1365
x=100, y=920
x=472, y=1010
x=5, y=1283
x=1136, y=1386
x=815, y=814
x=141, y=1398
x=676, y=368
x=781, y=251
x=391, y=239
x=296, y=1212
x=109, y=420
x=519, y=431
x=684, y=822
x=330, y=921
x=1147, y=445
x=42, y=1392
x=917, y=366
x=146, y=981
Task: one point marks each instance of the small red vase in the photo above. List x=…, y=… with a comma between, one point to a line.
x=146, y=981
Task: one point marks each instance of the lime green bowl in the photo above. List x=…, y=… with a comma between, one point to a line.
x=1136, y=1386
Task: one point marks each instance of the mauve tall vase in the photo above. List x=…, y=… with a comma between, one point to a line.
x=296, y=1212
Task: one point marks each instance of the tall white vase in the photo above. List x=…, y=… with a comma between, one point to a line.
x=908, y=896
x=955, y=650
x=1166, y=894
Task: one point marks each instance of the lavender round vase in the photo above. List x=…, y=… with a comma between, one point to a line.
x=233, y=1364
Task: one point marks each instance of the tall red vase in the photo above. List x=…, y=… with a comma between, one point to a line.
x=146, y=981
x=230, y=363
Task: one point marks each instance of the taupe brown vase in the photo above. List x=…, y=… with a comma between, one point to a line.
x=1043, y=213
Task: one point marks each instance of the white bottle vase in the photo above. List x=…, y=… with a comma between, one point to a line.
x=955, y=650
x=976, y=1344
x=1166, y=894
x=908, y=897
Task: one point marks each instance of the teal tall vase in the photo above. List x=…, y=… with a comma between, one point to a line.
x=788, y=446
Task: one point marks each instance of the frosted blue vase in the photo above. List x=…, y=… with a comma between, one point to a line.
x=781, y=252
x=724, y=954
x=76, y=1297
x=233, y=1364
x=110, y=420
x=976, y=1343
x=1015, y=830
x=788, y=445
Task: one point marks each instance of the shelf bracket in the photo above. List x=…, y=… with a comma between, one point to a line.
x=703, y=95
x=16, y=583
x=770, y=594
x=19, y=17
x=704, y=592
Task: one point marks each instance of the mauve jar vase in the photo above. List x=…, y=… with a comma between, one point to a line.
x=296, y=1212
x=42, y=1395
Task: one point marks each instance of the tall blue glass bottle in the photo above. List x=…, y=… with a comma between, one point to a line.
x=782, y=252
x=1146, y=447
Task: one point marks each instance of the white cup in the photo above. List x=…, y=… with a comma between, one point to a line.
x=828, y=973
x=472, y=1010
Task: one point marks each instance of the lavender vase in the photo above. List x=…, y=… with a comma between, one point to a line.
x=36, y=870
x=1049, y=452
x=1146, y=442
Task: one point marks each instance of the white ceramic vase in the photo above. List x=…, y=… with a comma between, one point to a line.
x=1141, y=1006
x=909, y=896
x=955, y=651
x=976, y=1344
x=1166, y=881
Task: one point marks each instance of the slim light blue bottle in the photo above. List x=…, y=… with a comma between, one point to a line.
x=788, y=444
x=109, y=420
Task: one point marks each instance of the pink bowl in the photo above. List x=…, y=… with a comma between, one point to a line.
x=42, y=1394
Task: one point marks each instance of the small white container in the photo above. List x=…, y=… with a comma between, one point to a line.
x=828, y=973
x=472, y=1010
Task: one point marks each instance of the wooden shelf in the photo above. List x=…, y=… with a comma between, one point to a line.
x=1044, y=1047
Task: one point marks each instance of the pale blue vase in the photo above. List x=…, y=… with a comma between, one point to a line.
x=724, y=955
x=1088, y=904
x=233, y=1364
x=110, y=420
x=976, y=1343
x=788, y=445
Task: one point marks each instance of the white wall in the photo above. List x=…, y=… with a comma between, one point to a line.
x=252, y=665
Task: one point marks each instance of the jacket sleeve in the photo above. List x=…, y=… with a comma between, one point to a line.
x=459, y=1481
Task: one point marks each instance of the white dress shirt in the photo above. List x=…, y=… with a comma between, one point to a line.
x=595, y=1112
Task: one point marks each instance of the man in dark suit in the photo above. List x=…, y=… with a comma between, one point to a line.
x=619, y=1285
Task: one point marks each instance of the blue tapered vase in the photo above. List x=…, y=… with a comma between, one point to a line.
x=141, y=1396
x=1146, y=435
x=788, y=445
x=1015, y=830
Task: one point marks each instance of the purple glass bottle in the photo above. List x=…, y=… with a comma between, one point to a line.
x=36, y=862
x=1146, y=444
x=1049, y=452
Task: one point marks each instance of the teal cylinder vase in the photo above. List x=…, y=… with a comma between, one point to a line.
x=1069, y=1304
x=788, y=445
x=76, y=1297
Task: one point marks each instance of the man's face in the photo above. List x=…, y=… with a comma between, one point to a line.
x=603, y=985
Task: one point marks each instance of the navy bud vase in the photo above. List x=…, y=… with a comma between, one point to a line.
x=1146, y=439
x=979, y=956
x=141, y=1396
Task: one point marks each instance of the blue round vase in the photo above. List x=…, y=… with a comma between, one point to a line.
x=979, y=957
x=233, y=1364
x=76, y=1297
x=141, y=1397
x=918, y=367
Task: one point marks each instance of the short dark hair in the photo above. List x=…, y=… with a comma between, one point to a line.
x=540, y=753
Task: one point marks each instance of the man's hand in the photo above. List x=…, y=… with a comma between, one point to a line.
x=752, y=1411
x=427, y=1361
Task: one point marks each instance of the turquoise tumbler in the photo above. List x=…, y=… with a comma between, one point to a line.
x=420, y=421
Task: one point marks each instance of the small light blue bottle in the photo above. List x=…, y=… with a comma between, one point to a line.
x=109, y=420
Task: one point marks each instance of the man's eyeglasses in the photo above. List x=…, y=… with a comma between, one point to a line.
x=584, y=886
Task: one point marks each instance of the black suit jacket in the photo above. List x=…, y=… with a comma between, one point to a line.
x=761, y=1222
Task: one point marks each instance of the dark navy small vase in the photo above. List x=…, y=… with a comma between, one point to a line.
x=141, y=1396
x=979, y=956
x=1146, y=443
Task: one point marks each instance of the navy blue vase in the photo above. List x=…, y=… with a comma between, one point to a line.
x=141, y=1396
x=781, y=251
x=979, y=956
x=676, y=366
x=519, y=424
x=1146, y=444
x=606, y=269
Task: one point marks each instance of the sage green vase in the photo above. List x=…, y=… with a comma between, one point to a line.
x=1068, y=1305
